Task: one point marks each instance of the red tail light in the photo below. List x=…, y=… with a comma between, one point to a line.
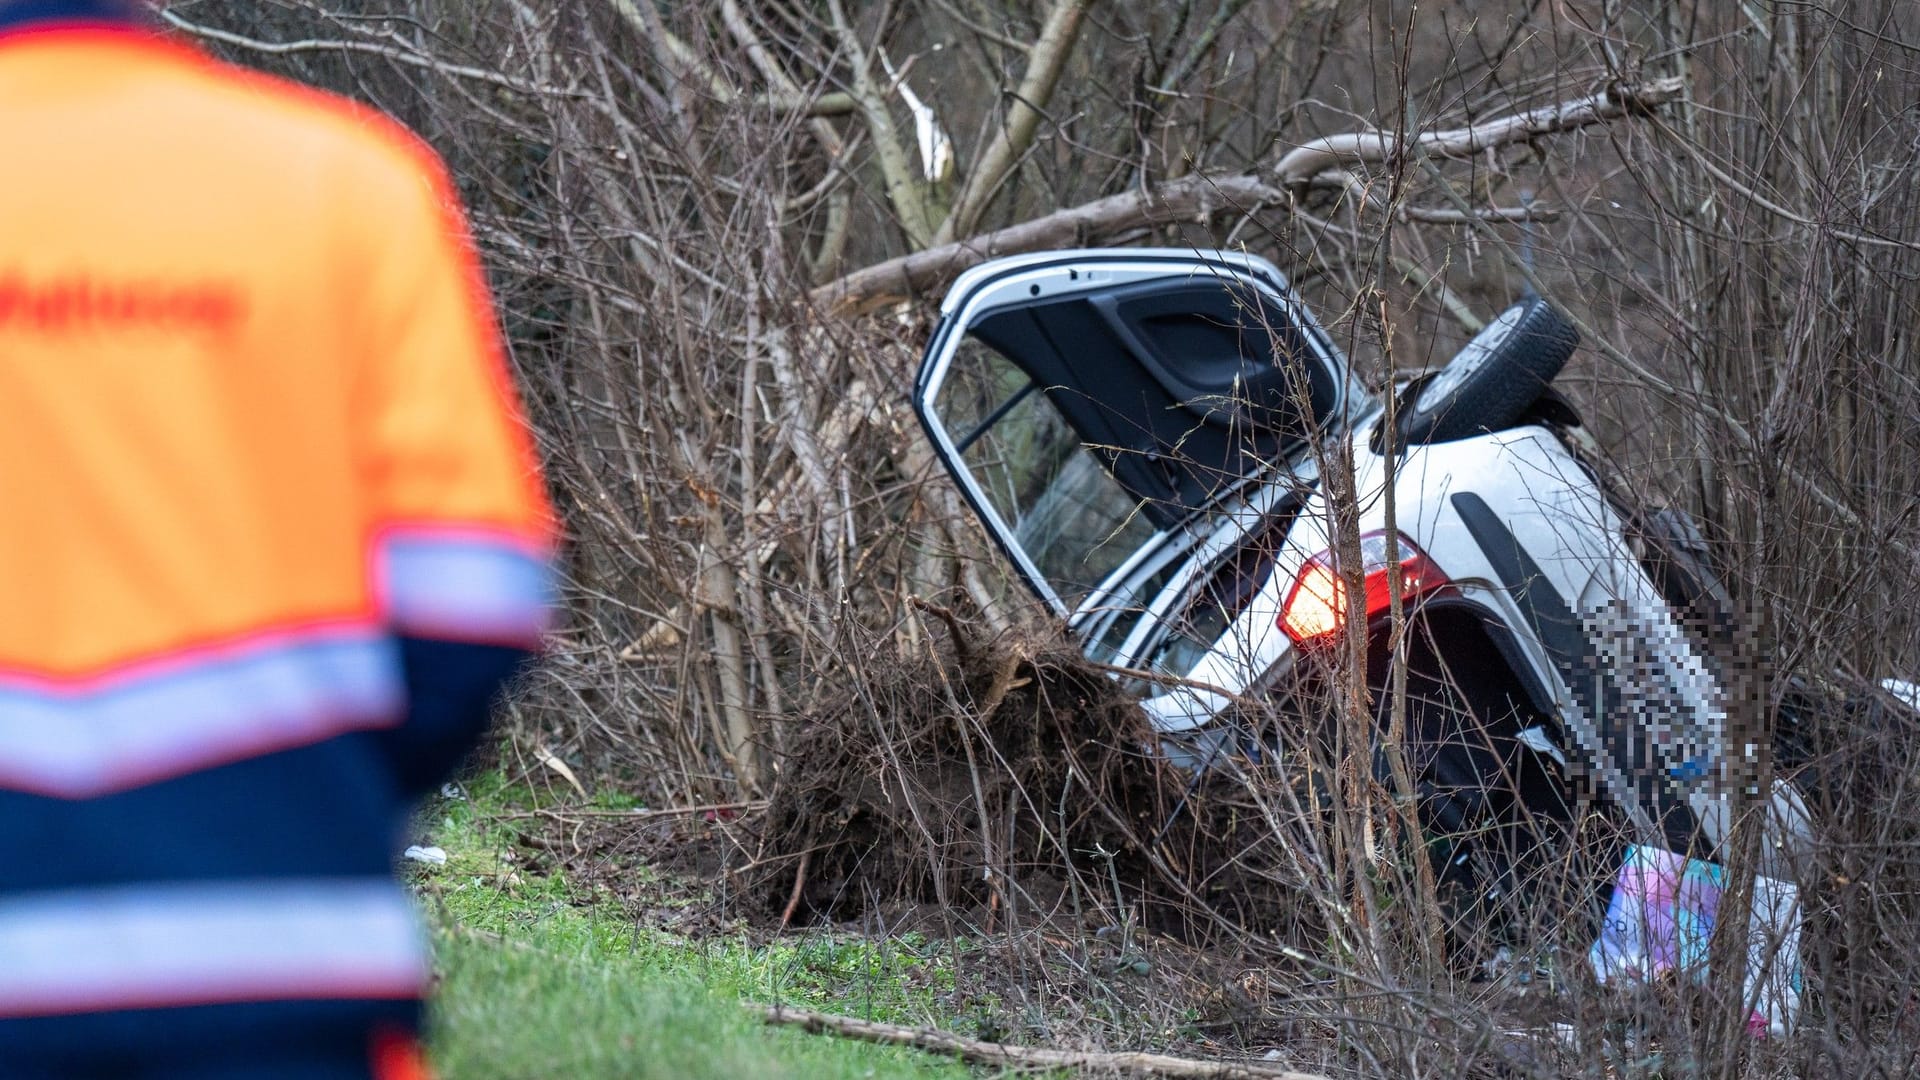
x=1317, y=605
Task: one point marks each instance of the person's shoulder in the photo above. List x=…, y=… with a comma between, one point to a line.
x=378, y=148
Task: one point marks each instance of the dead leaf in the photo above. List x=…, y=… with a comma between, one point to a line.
x=546, y=757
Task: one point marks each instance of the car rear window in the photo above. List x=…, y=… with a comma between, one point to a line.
x=1064, y=509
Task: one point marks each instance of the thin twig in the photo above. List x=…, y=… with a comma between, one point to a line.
x=399, y=56
x=799, y=887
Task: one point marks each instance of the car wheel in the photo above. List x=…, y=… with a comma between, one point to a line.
x=1489, y=384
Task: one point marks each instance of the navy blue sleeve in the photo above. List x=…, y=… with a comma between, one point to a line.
x=451, y=690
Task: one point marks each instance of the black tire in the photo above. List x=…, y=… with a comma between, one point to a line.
x=1493, y=379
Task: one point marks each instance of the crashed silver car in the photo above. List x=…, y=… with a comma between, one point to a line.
x=1143, y=431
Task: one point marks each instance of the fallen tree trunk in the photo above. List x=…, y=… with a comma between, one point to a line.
x=1307, y=161
x=1202, y=195
x=1028, y=1057
x=1189, y=198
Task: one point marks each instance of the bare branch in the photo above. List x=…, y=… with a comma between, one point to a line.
x=1045, y=62
x=1209, y=37
x=1461, y=311
x=1190, y=198
x=786, y=98
x=1304, y=162
x=1428, y=215
x=1441, y=215
x=983, y=32
x=1782, y=212
x=398, y=56
x=905, y=193
x=1029, y=1057
x=770, y=69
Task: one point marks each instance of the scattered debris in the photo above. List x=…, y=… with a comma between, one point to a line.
x=1661, y=918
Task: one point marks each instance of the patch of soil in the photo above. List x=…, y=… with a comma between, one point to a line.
x=664, y=872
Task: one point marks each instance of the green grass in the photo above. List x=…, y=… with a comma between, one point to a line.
x=540, y=982
x=506, y=1011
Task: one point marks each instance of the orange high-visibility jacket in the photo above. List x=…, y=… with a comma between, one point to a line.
x=256, y=434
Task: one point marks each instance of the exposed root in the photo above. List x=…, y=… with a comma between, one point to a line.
x=1018, y=784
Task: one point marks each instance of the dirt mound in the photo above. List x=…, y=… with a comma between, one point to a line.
x=1007, y=783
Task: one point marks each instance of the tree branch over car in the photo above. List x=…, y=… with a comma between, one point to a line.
x=1197, y=197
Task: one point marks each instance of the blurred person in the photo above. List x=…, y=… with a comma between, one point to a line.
x=274, y=539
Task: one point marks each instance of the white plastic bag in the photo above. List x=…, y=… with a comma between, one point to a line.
x=1662, y=917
